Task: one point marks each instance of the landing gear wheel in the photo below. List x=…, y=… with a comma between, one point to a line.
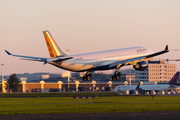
x=112, y=78
x=90, y=74
x=116, y=77
x=119, y=74
x=84, y=78
x=88, y=78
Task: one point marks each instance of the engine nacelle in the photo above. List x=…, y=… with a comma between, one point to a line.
x=141, y=66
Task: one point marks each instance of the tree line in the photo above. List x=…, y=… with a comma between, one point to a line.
x=13, y=83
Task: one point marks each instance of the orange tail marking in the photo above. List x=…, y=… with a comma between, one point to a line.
x=52, y=46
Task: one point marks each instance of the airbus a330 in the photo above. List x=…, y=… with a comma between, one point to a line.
x=95, y=61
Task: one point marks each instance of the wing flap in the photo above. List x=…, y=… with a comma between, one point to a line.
x=131, y=61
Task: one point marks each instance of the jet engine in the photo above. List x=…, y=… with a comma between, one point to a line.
x=141, y=66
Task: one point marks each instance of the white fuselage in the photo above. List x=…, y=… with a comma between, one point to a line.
x=163, y=87
x=101, y=60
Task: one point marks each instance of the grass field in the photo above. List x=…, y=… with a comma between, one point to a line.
x=64, y=94
x=98, y=105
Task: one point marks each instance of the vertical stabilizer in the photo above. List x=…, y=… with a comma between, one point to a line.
x=52, y=46
x=174, y=79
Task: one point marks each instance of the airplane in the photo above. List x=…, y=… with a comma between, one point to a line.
x=149, y=88
x=95, y=61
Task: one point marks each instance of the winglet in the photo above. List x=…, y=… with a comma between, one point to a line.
x=166, y=48
x=8, y=52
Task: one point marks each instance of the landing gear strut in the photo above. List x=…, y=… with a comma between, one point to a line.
x=116, y=75
x=87, y=76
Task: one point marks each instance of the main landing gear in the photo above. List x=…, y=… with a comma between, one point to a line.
x=116, y=75
x=87, y=76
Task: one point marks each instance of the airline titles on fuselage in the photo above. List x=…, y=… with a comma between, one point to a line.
x=142, y=50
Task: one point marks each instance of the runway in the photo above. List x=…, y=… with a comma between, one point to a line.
x=159, y=115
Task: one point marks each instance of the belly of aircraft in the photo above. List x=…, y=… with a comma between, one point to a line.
x=76, y=67
x=82, y=65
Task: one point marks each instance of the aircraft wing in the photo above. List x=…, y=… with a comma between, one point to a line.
x=172, y=86
x=133, y=61
x=40, y=59
x=157, y=53
x=121, y=63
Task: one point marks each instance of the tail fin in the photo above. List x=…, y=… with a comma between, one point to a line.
x=52, y=46
x=174, y=79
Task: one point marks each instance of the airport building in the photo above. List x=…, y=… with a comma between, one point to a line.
x=157, y=71
x=88, y=86
x=130, y=77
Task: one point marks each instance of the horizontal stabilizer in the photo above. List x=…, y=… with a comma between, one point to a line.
x=46, y=60
x=28, y=57
x=58, y=59
x=40, y=60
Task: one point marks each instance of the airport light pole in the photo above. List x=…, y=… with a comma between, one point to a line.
x=130, y=76
x=2, y=79
x=68, y=72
